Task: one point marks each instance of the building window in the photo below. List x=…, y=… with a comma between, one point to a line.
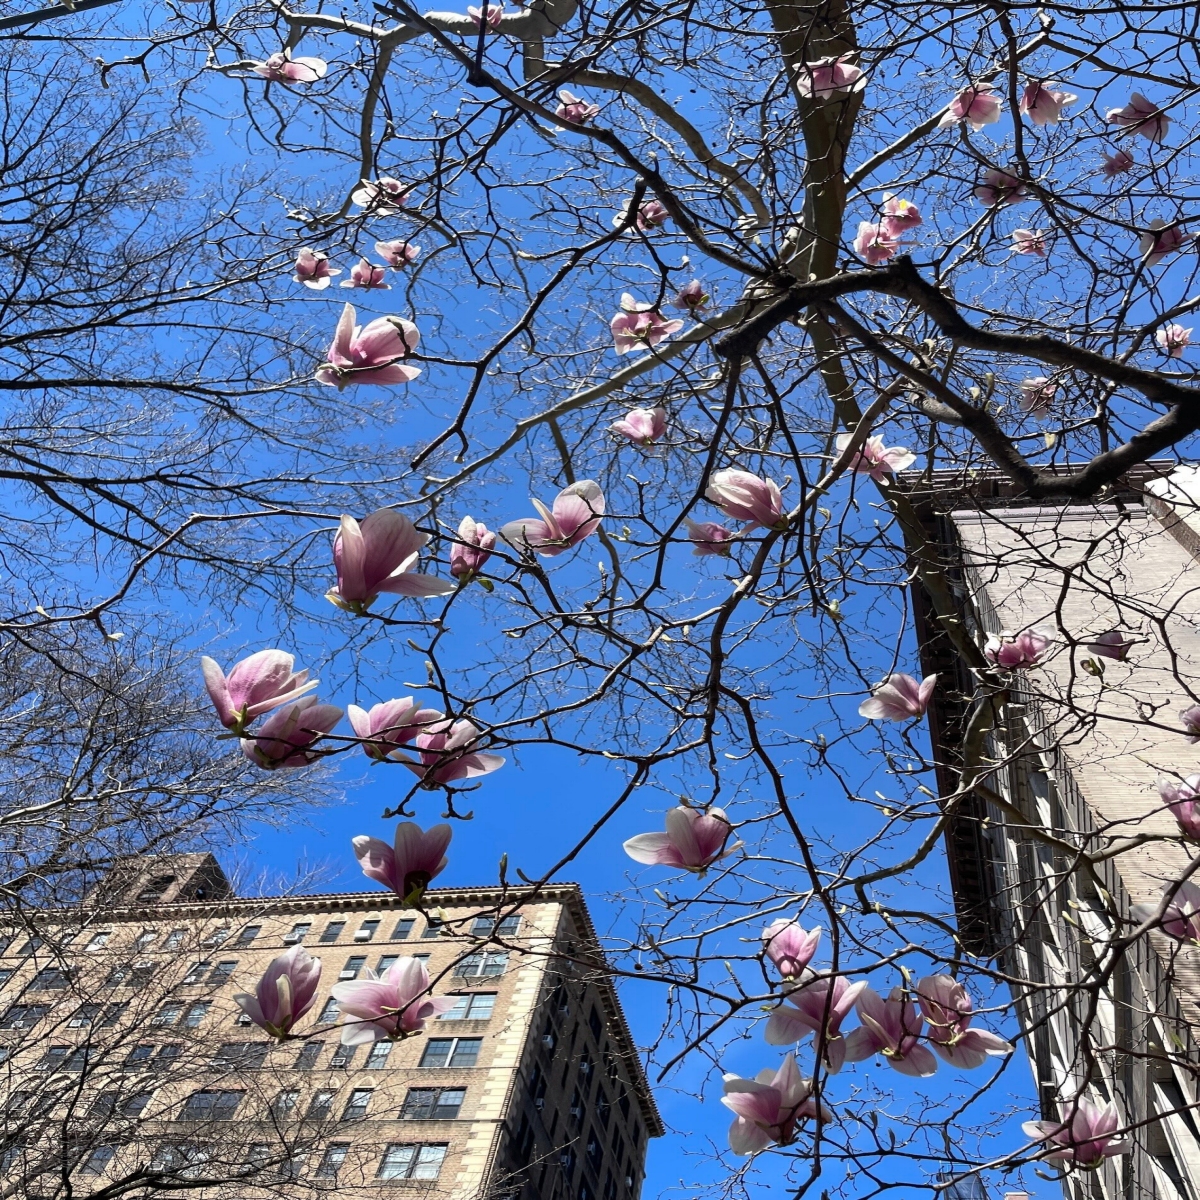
x=154, y=889
x=403, y=928
x=195, y=1014
x=366, y=931
x=196, y=972
x=585, y=1192
x=113, y=1014
x=332, y=1159
x=342, y=1057
x=356, y=1106
x=482, y=965
x=309, y=1053
x=354, y=964
x=378, y=1056
x=483, y=927
x=167, y=1015
x=298, y=933
x=451, y=1052
x=411, y=1162
x=248, y=934
x=144, y=939
x=385, y=961
x=284, y=1105
x=84, y=1016
x=320, y=1104
x=329, y=1013
x=24, y=1016
x=166, y=1056
x=99, y=939
x=332, y=931
x=174, y=939
x=595, y=1150
x=566, y=1160
x=222, y=971
x=136, y=1104
x=477, y=1006
x=241, y=1056
x=99, y=1158
x=217, y=937
x=211, y=1106
x=603, y=1107
x=595, y=1024
x=139, y=1055
x=432, y=1104
x=50, y=979
x=6, y=973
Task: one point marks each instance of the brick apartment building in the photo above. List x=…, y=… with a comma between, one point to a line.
x=1130, y=562
x=126, y=1058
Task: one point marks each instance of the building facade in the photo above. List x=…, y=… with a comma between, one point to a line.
x=126, y=1057
x=1073, y=765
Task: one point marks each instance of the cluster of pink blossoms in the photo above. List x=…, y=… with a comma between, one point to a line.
x=877, y=242
x=281, y=67
x=313, y=268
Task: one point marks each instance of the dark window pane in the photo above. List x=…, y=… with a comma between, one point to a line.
x=332, y=931
x=248, y=934
x=403, y=928
x=437, y=1052
x=466, y=1052
x=98, y=1160
x=449, y=1102
x=309, y=1053
x=419, y=1104
x=332, y=1160
x=222, y=971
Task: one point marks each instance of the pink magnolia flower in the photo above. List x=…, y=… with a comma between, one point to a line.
x=471, y=550
x=491, y=13
x=379, y=556
x=285, y=992
x=1183, y=799
x=745, y=497
x=286, y=738
x=1160, y=240
x=898, y=698
x=1037, y=394
x=692, y=296
x=1114, y=645
x=417, y=857
x=1181, y=917
x=1191, y=721
x=388, y=1006
x=383, y=197
x=1084, y=1138
x=1142, y=117
x=257, y=684
x=789, y=946
x=643, y=426
x=313, y=270
x=576, y=514
x=1173, y=340
x=283, y=68
x=890, y=1028
x=398, y=253
x=999, y=188
x=976, y=104
x=1029, y=241
x=828, y=77
x=1117, y=163
x=875, y=459
x=1017, y=652
x=874, y=243
x=899, y=216
x=372, y=353
x=639, y=325
x=388, y=726
x=819, y=1006
x=447, y=754
x=948, y=1009
x=694, y=840
x=769, y=1107
x=365, y=274
x=1042, y=104
x=573, y=110
x=652, y=215
x=708, y=537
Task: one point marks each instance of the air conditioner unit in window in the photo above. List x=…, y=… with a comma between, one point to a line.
x=576, y=1111
x=540, y=1103
x=548, y=1041
x=347, y=974
x=290, y=939
x=629, y=1182
x=564, y=1158
x=363, y=935
x=244, y=1019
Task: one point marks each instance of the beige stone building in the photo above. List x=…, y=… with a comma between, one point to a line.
x=1113, y=1019
x=125, y=1056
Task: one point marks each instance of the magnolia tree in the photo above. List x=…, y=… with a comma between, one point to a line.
x=712, y=285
